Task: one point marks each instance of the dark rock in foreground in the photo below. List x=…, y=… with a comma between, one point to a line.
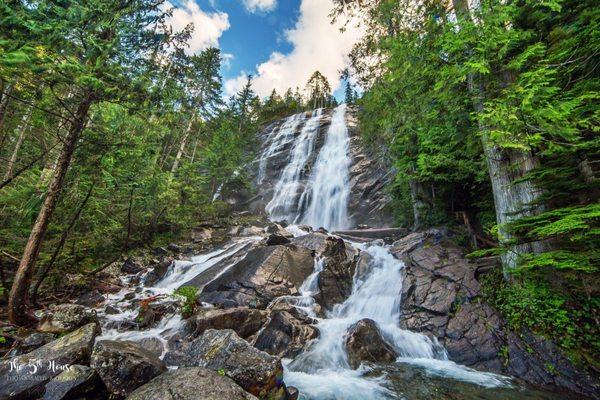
x=442, y=297
x=364, y=343
x=286, y=332
x=124, y=366
x=24, y=377
x=77, y=381
x=191, y=383
x=223, y=350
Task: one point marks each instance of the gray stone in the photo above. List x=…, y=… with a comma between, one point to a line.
x=243, y=320
x=259, y=277
x=285, y=334
x=124, y=366
x=223, y=350
x=158, y=272
x=191, y=383
x=66, y=317
x=364, y=342
x=335, y=281
x=25, y=376
x=74, y=382
x=130, y=266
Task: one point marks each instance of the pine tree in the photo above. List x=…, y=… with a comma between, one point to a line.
x=349, y=94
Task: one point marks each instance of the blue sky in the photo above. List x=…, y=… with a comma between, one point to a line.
x=280, y=42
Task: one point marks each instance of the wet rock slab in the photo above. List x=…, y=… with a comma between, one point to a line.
x=262, y=275
x=364, y=342
x=223, y=350
x=191, y=383
x=25, y=376
x=77, y=381
x=124, y=366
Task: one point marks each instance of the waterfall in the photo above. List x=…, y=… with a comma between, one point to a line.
x=328, y=187
x=283, y=204
x=323, y=371
x=277, y=139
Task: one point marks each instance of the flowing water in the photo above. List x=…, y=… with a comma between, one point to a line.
x=328, y=188
x=283, y=205
x=323, y=371
x=277, y=140
x=422, y=370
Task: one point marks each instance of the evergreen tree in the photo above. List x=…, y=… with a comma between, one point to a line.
x=349, y=94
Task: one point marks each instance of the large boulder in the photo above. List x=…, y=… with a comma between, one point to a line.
x=158, y=272
x=31, y=342
x=262, y=275
x=131, y=266
x=441, y=297
x=286, y=332
x=364, y=342
x=124, y=366
x=191, y=383
x=76, y=381
x=223, y=350
x=24, y=376
x=243, y=320
x=335, y=281
x=63, y=318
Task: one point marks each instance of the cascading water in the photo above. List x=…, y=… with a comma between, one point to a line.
x=283, y=204
x=115, y=325
x=323, y=371
x=327, y=190
x=277, y=140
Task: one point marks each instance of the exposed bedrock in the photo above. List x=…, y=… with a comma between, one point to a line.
x=368, y=177
x=442, y=297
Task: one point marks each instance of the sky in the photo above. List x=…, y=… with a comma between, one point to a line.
x=280, y=42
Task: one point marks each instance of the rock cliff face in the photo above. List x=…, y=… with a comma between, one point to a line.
x=441, y=296
x=367, y=200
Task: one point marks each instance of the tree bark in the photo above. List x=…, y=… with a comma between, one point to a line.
x=18, y=299
x=182, y=146
x=22, y=131
x=60, y=245
x=419, y=206
x=514, y=197
x=4, y=104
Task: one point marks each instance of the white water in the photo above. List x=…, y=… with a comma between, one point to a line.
x=328, y=188
x=283, y=204
x=178, y=274
x=277, y=140
x=323, y=372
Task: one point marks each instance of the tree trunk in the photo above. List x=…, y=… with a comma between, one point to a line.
x=182, y=146
x=419, y=206
x=22, y=131
x=60, y=245
x=514, y=198
x=18, y=299
x=4, y=104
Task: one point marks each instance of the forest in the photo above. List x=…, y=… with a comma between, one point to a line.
x=489, y=116
x=114, y=138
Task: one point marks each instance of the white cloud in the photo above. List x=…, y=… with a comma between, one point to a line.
x=232, y=86
x=208, y=26
x=317, y=45
x=260, y=5
x=226, y=59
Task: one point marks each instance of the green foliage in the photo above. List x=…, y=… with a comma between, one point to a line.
x=531, y=301
x=189, y=294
